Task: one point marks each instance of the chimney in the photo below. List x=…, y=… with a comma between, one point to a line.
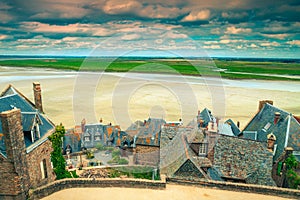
x=37, y=92
x=83, y=122
x=276, y=117
x=15, y=148
x=271, y=142
x=263, y=102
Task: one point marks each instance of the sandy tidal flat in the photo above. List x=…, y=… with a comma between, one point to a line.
x=122, y=98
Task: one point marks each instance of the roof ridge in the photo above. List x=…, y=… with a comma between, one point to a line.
x=277, y=108
x=10, y=95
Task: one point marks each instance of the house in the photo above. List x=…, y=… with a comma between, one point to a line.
x=91, y=135
x=24, y=145
x=146, y=141
x=240, y=160
x=205, y=119
x=198, y=152
x=272, y=120
x=179, y=160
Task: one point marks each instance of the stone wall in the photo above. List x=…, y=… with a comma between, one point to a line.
x=94, y=183
x=34, y=158
x=14, y=168
x=238, y=187
x=9, y=184
x=147, y=155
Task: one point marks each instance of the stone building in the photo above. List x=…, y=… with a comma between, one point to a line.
x=193, y=152
x=272, y=120
x=241, y=160
x=24, y=146
x=146, y=141
x=179, y=160
x=91, y=135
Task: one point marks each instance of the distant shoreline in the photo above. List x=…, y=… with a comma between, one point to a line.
x=228, y=69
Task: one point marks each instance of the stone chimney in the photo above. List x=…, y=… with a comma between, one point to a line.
x=83, y=122
x=276, y=117
x=37, y=92
x=15, y=149
x=271, y=142
x=263, y=102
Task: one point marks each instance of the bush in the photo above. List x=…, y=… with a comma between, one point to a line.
x=89, y=155
x=293, y=179
x=123, y=161
x=100, y=147
x=118, y=161
x=115, y=153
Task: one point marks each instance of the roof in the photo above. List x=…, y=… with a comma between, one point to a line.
x=147, y=132
x=235, y=130
x=174, y=155
x=12, y=98
x=286, y=130
x=206, y=116
x=242, y=159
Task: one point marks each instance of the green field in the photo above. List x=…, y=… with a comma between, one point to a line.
x=227, y=69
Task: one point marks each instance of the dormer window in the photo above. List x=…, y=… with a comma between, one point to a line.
x=203, y=149
x=35, y=131
x=97, y=138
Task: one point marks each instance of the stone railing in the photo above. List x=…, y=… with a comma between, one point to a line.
x=63, y=184
x=239, y=187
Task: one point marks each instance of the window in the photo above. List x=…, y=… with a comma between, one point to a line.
x=97, y=138
x=87, y=139
x=203, y=149
x=266, y=127
x=43, y=166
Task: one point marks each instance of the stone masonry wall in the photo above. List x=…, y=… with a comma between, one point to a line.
x=14, y=168
x=101, y=183
x=9, y=184
x=147, y=155
x=240, y=187
x=34, y=158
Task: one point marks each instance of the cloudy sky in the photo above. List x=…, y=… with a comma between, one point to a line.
x=244, y=28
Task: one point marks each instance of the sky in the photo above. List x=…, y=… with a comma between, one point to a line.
x=213, y=28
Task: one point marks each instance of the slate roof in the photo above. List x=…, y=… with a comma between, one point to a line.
x=175, y=154
x=146, y=133
x=286, y=130
x=12, y=98
x=106, y=132
x=243, y=160
x=206, y=116
x=235, y=130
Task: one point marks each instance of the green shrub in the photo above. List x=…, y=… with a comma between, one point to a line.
x=100, y=147
x=293, y=179
x=115, y=152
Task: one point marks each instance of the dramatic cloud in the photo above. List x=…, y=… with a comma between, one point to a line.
x=226, y=28
x=234, y=30
x=197, y=15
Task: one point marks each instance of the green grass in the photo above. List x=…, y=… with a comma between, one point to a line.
x=174, y=66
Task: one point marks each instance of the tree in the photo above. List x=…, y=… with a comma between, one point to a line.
x=292, y=176
x=56, y=156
